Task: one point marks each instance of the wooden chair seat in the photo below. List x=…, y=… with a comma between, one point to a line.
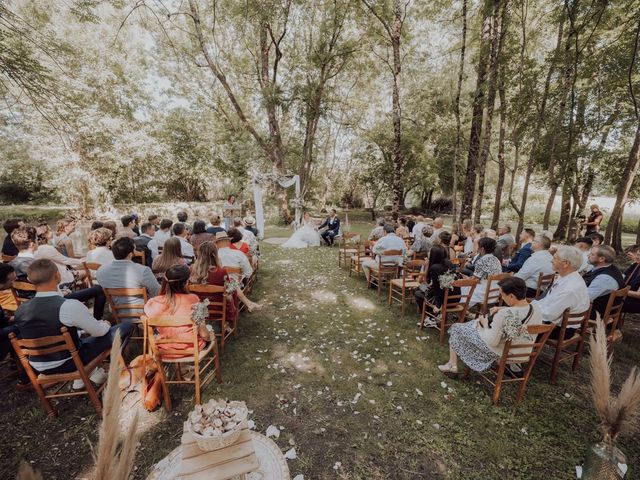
x=67, y=377
x=383, y=272
x=410, y=284
x=401, y=289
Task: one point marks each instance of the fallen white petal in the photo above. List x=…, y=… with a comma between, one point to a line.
x=273, y=431
x=291, y=454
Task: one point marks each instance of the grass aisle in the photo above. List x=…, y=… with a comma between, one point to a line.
x=354, y=389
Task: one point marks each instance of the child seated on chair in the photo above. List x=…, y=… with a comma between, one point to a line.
x=175, y=300
x=432, y=291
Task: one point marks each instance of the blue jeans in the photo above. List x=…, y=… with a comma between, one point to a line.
x=91, y=347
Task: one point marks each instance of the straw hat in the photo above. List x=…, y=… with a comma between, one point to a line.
x=220, y=236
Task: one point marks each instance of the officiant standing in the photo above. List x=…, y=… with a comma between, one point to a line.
x=332, y=223
x=230, y=210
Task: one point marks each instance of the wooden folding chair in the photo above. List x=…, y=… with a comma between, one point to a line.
x=20, y=288
x=346, y=249
x=129, y=312
x=89, y=268
x=544, y=282
x=455, y=305
x=363, y=252
x=163, y=354
x=612, y=315
x=492, y=296
x=7, y=258
x=495, y=376
x=217, y=310
x=400, y=288
x=570, y=341
x=139, y=257
x=42, y=382
x=384, y=271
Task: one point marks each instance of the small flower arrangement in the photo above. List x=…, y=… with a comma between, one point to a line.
x=512, y=327
x=446, y=280
x=200, y=312
x=232, y=284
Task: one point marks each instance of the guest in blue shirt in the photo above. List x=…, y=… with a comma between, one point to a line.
x=526, y=238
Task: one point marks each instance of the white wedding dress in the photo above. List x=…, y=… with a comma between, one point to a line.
x=303, y=237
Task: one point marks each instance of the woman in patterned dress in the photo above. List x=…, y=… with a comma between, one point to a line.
x=486, y=265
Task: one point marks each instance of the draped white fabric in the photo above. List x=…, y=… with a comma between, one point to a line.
x=257, y=200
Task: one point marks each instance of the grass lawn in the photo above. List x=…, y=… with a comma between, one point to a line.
x=354, y=388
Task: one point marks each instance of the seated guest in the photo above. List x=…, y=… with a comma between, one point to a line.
x=7, y=300
x=486, y=265
x=567, y=292
x=438, y=228
x=526, y=238
x=422, y=244
x=389, y=242
x=235, y=259
x=481, y=342
x=247, y=236
x=160, y=237
x=402, y=231
x=62, y=241
x=538, y=263
x=182, y=218
x=111, y=225
x=410, y=224
x=632, y=279
x=467, y=232
x=181, y=233
x=8, y=248
x=49, y=311
x=378, y=231
x=171, y=255
x=505, y=237
x=199, y=235
x=96, y=224
x=236, y=241
x=457, y=237
x=416, y=231
x=136, y=224
x=128, y=222
x=584, y=244
x=215, y=225
x=431, y=290
x=142, y=242
x=25, y=240
x=445, y=239
x=62, y=261
x=155, y=221
x=250, y=225
x=208, y=270
x=477, y=233
x=124, y=273
x=175, y=299
x=596, y=238
x=100, y=244
x=603, y=278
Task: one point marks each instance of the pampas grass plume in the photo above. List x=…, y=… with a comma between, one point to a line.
x=26, y=472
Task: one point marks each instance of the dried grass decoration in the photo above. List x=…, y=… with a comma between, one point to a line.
x=604, y=460
x=116, y=451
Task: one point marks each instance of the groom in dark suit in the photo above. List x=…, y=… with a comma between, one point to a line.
x=333, y=227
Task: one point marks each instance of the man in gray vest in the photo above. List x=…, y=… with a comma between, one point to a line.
x=49, y=311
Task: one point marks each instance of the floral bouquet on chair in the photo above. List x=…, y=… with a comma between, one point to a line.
x=200, y=312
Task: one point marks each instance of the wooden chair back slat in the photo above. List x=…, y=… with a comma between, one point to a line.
x=544, y=282
x=492, y=293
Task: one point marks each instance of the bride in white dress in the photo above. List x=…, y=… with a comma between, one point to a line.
x=305, y=236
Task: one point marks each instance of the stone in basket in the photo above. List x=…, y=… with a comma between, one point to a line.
x=217, y=424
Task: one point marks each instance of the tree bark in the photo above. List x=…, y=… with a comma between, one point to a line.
x=477, y=116
x=497, y=41
x=398, y=161
x=456, y=109
x=495, y=220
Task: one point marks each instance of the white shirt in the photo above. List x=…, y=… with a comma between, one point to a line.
x=569, y=292
x=390, y=242
x=539, y=262
x=187, y=248
x=235, y=258
x=416, y=231
x=73, y=313
x=50, y=252
x=436, y=232
x=101, y=255
x=160, y=237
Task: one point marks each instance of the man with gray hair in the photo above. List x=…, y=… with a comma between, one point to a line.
x=505, y=237
x=538, y=263
x=603, y=278
x=378, y=232
x=438, y=228
x=567, y=292
x=390, y=241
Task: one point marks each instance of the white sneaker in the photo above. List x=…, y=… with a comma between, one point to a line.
x=429, y=323
x=448, y=368
x=98, y=376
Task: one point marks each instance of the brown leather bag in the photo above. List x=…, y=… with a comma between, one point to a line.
x=150, y=388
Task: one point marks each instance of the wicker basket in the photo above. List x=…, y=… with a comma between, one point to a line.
x=208, y=444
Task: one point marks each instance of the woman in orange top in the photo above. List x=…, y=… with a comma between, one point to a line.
x=175, y=299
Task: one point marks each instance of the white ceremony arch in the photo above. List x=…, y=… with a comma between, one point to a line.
x=262, y=181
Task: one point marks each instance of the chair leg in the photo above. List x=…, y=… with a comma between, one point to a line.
x=578, y=355
x=93, y=396
x=46, y=404
x=443, y=328
x=556, y=363
x=390, y=293
x=196, y=379
x=216, y=361
x=165, y=386
x=497, y=390
x=403, y=299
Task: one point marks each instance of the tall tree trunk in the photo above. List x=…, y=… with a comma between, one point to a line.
x=495, y=220
x=456, y=109
x=478, y=114
x=398, y=161
x=497, y=40
x=638, y=234
x=613, y=234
